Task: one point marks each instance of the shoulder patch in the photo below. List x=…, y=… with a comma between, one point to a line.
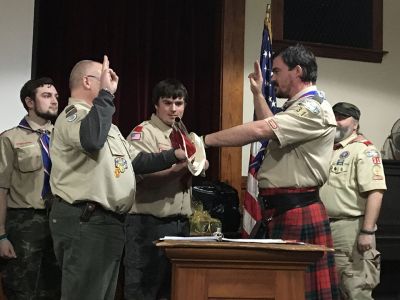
x=70, y=113
x=136, y=134
x=311, y=105
x=138, y=128
x=371, y=153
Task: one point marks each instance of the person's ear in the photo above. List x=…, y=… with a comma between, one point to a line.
x=299, y=71
x=29, y=102
x=86, y=82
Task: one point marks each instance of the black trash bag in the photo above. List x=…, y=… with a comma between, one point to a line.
x=221, y=201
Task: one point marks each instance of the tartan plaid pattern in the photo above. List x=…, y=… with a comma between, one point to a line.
x=310, y=224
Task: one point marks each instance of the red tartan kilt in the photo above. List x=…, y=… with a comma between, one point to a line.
x=310, y=224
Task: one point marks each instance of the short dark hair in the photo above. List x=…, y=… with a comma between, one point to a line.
x=169, y=88
x=299, y=55
x=30, y=87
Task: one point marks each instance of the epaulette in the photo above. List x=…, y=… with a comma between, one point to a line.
x=70, y=113
x=367, y=143
x=7, y=130
x=138, y=128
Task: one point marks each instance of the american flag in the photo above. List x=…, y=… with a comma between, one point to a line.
x=251, y=209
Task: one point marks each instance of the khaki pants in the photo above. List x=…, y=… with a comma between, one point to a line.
x=358, y=272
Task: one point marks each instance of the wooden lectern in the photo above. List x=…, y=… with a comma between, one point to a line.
x=237, y=270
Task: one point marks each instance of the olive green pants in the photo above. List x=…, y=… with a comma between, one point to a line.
x=89, y=253
x=358, y=273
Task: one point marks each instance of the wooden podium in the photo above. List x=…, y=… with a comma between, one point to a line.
x=237, y=270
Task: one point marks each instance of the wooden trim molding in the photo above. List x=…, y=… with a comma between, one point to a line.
x=232, y=65
x=373, y=54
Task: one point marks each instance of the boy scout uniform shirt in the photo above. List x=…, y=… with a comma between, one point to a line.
x=21, y=166
x=301, y=154
x=355, y=169
x=165, y=200
x=105, y=176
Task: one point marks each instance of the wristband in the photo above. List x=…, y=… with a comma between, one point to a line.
x=3, y=237
x=370, y=232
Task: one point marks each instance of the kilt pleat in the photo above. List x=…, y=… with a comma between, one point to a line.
x=310, y=224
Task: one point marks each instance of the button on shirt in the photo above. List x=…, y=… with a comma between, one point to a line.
x=21, y=165
x=105, y=176
x=355, y=168
x=166, y=199
x=300, y=155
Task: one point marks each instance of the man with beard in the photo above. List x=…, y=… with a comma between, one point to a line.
x=353, y=196
x=28, y=263
x=296, y=159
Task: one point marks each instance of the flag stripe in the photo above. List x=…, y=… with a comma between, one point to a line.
x=251, y=208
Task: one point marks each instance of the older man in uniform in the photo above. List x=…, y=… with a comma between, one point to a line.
x=296, y=160
x=29, y=267
x=163, y=201
x=94, y=182
x=353, y=196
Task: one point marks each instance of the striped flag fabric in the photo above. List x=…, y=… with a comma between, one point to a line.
x=251, y=209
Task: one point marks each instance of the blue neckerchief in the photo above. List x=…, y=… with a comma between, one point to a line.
x=44, y=143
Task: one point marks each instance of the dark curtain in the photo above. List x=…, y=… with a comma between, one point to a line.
x=146, y=41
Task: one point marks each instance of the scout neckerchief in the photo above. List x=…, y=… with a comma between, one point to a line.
x=44, y=143
x=319, y=96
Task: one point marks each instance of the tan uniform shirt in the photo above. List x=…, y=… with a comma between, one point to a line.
x=301, y=155
x=356, y=168
x=21, y=166
x=164, y=200
x=105, y=176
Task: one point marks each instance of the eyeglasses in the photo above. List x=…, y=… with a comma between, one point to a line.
x=93, y=76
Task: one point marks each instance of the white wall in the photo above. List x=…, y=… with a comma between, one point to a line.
x=16, y=32
x=373, y=87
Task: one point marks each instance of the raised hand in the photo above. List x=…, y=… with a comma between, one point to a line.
x=108, y=78
x=256, y=79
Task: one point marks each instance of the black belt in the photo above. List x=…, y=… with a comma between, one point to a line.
x=29, y=209
x=284, y=202
x=281, y=203
x=334, y=219
x=91, y=208
x=173, y=218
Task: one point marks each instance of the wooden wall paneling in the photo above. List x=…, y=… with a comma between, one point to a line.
x=232, y=58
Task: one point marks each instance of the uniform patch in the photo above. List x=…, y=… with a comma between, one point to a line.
x=371, y=153
x=376, y=160
x=70, y=113
x=301, y=111
x=272, y=124
x=344, y=154
x=19, y=144
x=120, y=166
x=377, y=170
x=311, y=106
x=136, y=134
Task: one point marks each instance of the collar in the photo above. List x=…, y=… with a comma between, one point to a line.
x=78, y=101
x=299, y=95
x=35, y=126
x=348, y=140
x=166, y=129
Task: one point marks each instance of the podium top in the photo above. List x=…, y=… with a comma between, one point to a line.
x=285, y=246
